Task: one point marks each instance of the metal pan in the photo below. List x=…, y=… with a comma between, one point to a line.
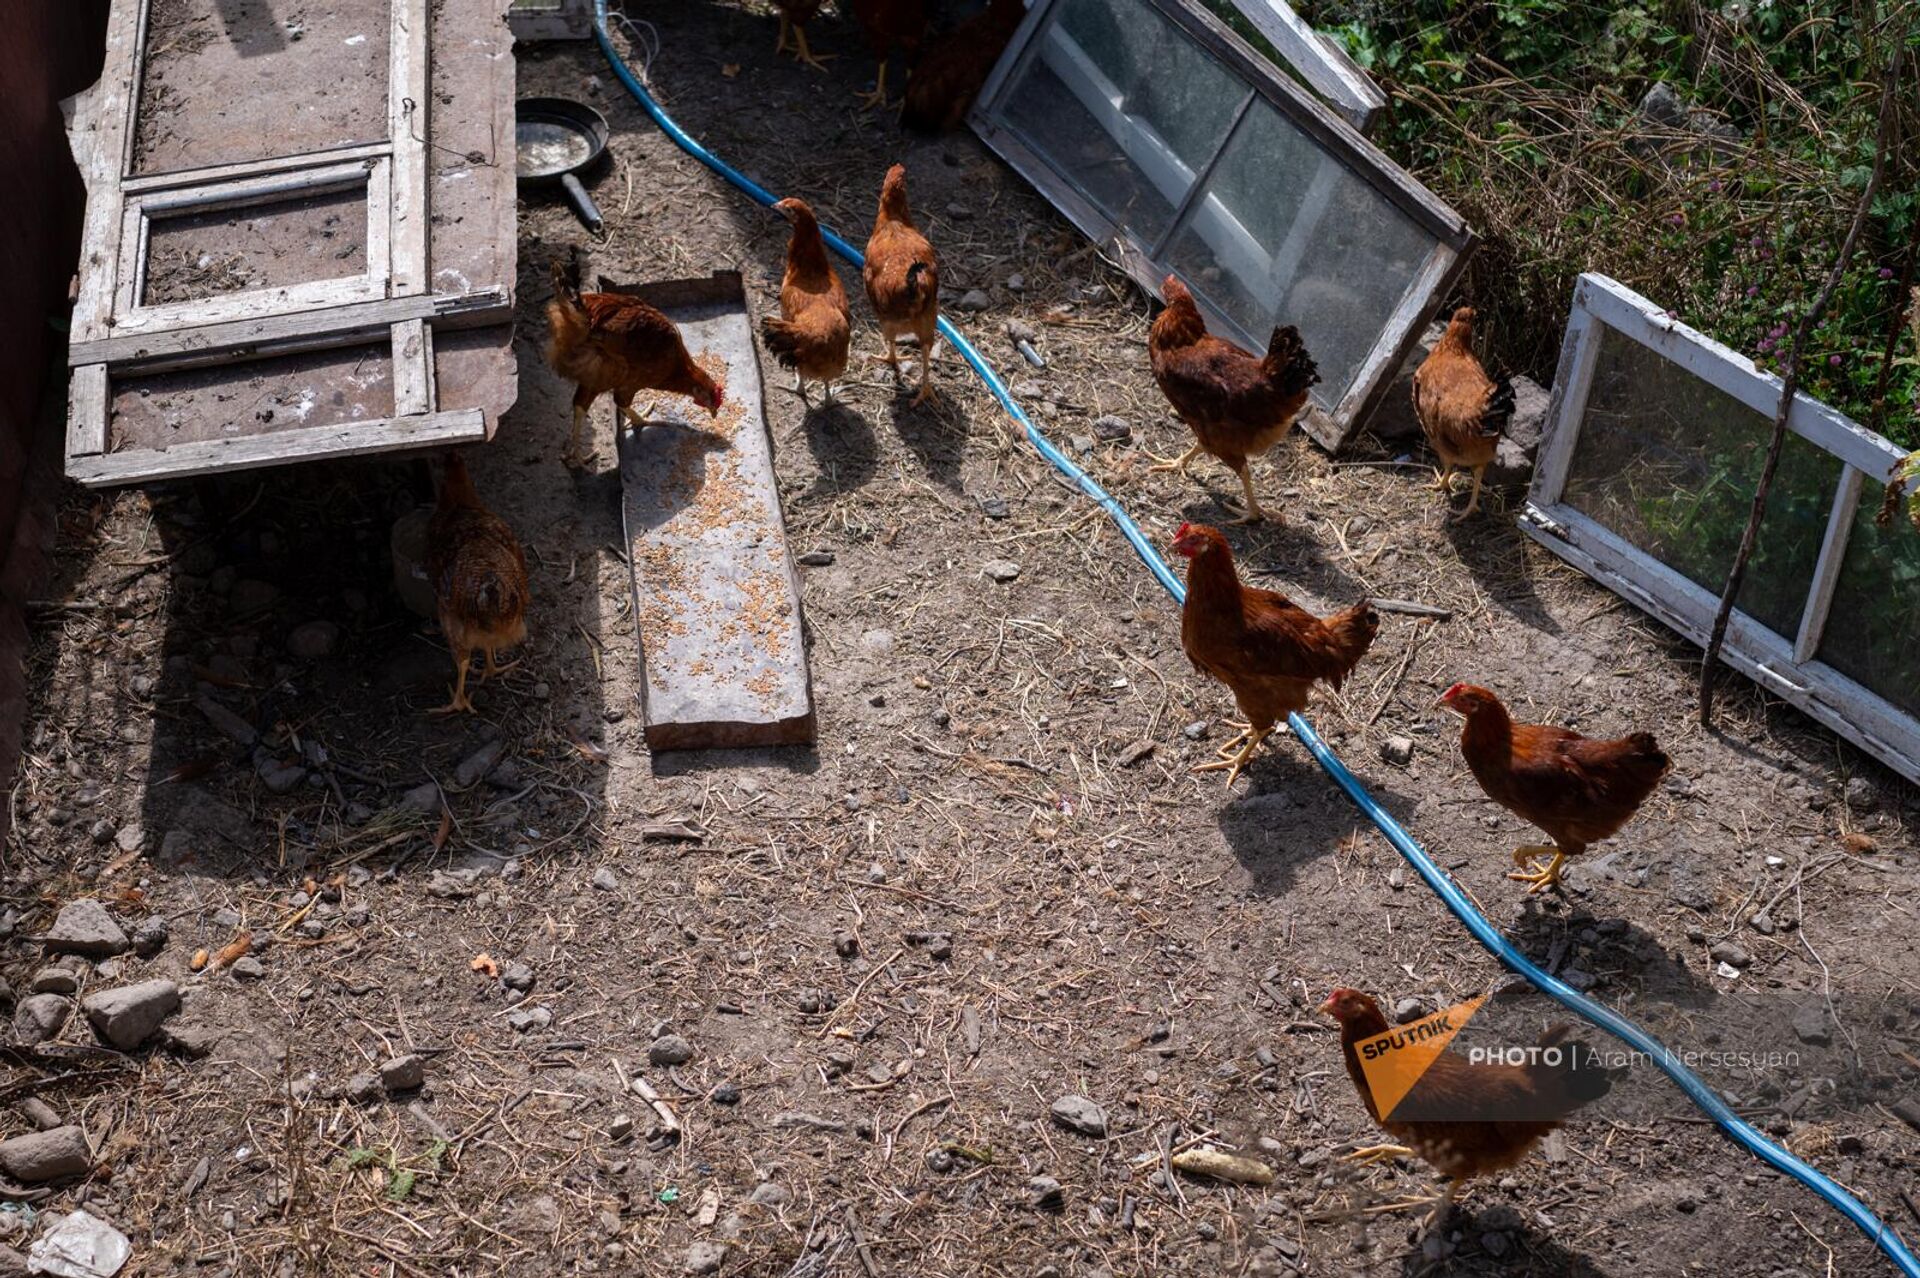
x=553, y=140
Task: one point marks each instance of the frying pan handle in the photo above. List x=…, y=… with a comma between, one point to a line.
x=583, y=203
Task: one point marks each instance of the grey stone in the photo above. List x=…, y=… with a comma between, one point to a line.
x=621, y=1128
x=1195, y=731
x=229, y=723
x=55, y=980
x=670, y=1049
x=706, y=1256
x=994, y=507
x=817, y=558
x=973, y=301
x=278, y=777
x=768, y=1194
x=404, y=1073
x=151, y=936
x=1045, y=1193
x=314, y=640
x=39, y=1157
x=422, y=798
x=85, y=927
x=1077, y=1113
x=1730, y=954
x=1861, y=796
x=1810, y=1024
x=127, y=1016
x=248, y=968
x=1398, y=751
x=517, y=976
x=40, y=1017
x=477, y=764
x=1001, y=570
x=363, y=1089
x=42, y=1115
x=526, y=1019
x=606, y=880
x=1112, y=429
x=1408, y=1009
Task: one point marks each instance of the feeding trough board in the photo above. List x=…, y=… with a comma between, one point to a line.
x=1164, y=136
x=722, y=652
x=1653, y=446
x=299, y=238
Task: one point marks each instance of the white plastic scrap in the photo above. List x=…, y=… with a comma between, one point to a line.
x=80, y=1246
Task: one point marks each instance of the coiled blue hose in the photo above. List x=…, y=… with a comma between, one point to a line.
x=1476, y=923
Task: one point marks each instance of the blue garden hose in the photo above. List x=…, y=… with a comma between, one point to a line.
x=1476, y=923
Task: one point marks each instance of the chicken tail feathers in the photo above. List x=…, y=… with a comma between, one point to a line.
x=783, y=340
x=1288, y=364
x=1499, y=410
x=1571, y=1077
x=917, y=282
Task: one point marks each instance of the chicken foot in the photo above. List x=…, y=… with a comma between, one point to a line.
x=493, y=669
x=572, y=456
x=801, y=53
x=1179, y=463
x=460, y=704
x=1253, y=514
x=1368, y=1154
x=1238, y=762
x=1525, y=857
x=926, y=375
x=878, y=98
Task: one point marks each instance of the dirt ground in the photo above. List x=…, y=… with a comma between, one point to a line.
x=891, y=953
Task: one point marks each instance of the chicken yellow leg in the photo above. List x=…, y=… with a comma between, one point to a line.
x=460, y=704
x=1234, y=765
x=1473, y=502
x=493, y=669
x=1541, y=879
x=1179, y=463
x=1253, y=514
x=572, y=454
x=926, y=375
x=1367, y=1154
x=878, y=98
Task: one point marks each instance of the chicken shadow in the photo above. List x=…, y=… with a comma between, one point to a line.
x=1496, y=1242
x=845, y=451
x=1290, y=816
x=935, y=433
x=1578, y=941
x=663, y=468
x=1494, y=553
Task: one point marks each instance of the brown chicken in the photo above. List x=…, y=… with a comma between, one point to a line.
x=890, y=25
x=611, y=342
x=1236, y=404
x=902, y=276
x=480, y=576
x=1457, y=1141
x=949, y=74
x=1260, y=644
x=1577, y=789
x=814, y=329
x=1462, y=410
x=794, y=16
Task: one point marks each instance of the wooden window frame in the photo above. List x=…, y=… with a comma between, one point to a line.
x=1332, y=426
x=114, y=335
x=1788, y=666
x=1326, y=67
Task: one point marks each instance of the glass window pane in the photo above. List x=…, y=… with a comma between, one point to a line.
x=1869, y=631
x=1125, y=107
x=1669, y=463
x=1286, y=234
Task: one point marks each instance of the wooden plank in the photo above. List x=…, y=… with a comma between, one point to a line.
x=412, y=368
x=107, y=128
x=264, y=188
x=224, y=308
x=275, y=448
x=1567, y=404
x=279, y=334
x=407, y=98
x=218, y=173
x=1826, y=572
x=723, y=653
x=88, y=407
x=1398, y=336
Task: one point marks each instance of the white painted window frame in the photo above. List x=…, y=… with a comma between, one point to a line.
x=1331, y=425
x=1319, y=59
x=114, y=336
x=1787, y=666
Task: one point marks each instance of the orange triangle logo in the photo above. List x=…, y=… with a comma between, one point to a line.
x=1394, y=1061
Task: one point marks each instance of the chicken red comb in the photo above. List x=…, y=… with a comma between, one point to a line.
x=1185, y=528
x=1458, y=687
